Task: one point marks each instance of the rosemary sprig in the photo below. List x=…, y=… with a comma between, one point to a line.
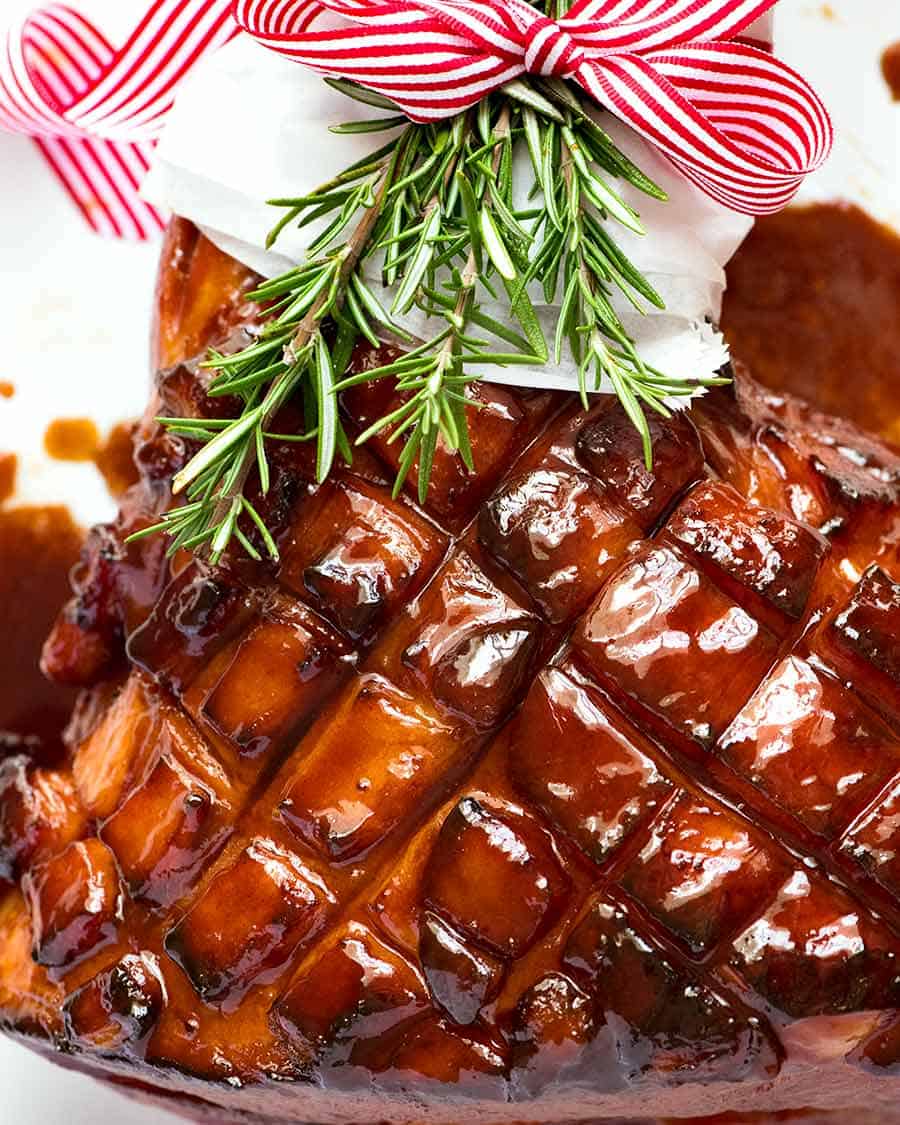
x=438, y=214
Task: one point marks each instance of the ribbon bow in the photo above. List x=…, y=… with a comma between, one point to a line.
x=739, y=123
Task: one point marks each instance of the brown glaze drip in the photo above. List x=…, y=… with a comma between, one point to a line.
x=72, y=439
x=8, y=467
x=115, y=459
x=7, y=390
x=38, y=547
x=890, y=68
x=813, y=307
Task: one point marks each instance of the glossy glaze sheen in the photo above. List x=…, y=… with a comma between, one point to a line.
x=574, y=796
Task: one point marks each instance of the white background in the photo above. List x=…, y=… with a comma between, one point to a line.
x=75, y=322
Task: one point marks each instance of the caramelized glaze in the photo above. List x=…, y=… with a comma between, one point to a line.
x=572, y=796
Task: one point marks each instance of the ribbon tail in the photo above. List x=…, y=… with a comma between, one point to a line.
x=101, y=178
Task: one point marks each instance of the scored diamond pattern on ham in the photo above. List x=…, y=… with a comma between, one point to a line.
x=573, y=794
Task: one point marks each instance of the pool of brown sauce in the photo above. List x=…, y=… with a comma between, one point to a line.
x=38, y=548
x=813, y=307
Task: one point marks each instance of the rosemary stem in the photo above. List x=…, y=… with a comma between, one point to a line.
x=305, y=335
x=470, y=271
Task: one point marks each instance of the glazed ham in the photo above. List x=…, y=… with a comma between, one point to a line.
x=573, y=796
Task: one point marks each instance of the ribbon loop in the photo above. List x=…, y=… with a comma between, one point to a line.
x=94, y=111
x=550, y=50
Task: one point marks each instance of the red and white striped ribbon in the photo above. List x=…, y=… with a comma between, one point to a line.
x=95, y=111
x=742, y=125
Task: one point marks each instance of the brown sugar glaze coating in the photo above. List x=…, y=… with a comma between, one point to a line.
x=572, y=797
